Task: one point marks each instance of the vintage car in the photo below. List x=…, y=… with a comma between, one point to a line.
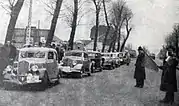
x=107, y=61
x=76, y=62
x=127, y=58
x=33, y=65
x=96, y=60
x=116, y=59
x=121, y=57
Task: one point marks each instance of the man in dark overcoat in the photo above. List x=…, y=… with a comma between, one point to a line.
x=168, y=78
x=139, y=73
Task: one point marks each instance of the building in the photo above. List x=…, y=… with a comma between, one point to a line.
x=101, y=34
x=37, y=35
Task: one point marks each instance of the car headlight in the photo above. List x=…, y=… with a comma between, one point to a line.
x=74, y=63
x=9, y=68
x=34, y=68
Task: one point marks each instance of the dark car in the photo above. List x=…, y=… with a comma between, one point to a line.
x=96, y=60
x=107, y=61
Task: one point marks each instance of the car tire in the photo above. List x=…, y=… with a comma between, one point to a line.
x=58, y=78
x=89, y=69
x=45, y=80
x=92, y=68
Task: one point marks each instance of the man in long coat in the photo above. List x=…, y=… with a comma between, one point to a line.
x=139, y=73
x=168, y=78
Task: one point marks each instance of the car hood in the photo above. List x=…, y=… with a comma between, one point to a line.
x=33, y=60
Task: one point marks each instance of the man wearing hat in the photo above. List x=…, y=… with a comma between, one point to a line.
x=168, y=78
x=139, y=73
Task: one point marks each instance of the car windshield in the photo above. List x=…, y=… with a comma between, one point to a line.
x=78, y=54
x=32, y=54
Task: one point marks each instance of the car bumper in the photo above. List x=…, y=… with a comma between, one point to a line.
x=23, y=80
x=69, y=70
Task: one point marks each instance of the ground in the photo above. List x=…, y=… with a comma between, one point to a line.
x=107, y=88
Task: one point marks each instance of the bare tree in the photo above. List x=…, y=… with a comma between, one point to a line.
x=117, y=20
x=97, y=4
x=74, y=24
x=173, y=38
x=13, y=8
x=127, y=16
x=54, y=21
x=108, y=25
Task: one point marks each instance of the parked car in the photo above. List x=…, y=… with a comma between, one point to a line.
x=96, y=60
x=116, y=59
x=33, y=65
x=107, y=61
x=127, y=58
x=121, y=57
x=76, y=62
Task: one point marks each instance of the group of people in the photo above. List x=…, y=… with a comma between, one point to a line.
x=8, y=54
x=168, y=78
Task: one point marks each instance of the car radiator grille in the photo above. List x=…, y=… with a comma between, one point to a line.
x=23, y=67
x=67, y=62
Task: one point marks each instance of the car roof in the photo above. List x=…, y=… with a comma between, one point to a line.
x=43, y=49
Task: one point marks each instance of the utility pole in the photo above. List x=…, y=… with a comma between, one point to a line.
x=177, y=41
x=28, y=31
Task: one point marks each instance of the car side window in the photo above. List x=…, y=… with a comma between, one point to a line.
x=50, y=55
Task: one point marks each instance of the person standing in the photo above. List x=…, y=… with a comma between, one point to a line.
x=139, y=73
x=168, y=78
x=13, y=52
x=61, y=54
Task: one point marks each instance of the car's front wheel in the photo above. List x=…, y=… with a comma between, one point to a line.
x=58, y=78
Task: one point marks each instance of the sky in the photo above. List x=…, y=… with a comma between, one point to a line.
x=152, y=21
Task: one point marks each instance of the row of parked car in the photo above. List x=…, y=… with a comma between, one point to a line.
x=87, y=62
x=40, y=65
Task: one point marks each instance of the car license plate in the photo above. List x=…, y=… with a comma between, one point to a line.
x=31, y=79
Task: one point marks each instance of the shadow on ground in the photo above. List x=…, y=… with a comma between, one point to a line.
x=31, y=87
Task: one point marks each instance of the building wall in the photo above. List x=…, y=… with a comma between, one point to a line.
x=36, y=34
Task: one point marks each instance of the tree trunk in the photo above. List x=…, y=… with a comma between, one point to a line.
x=108, y=26
x=114, y=46
x=13, y=19
x=111, y=47
x=105, y=39
x=96, y=30
x=124, y=42
x=74, y=24
x=54, y=22
x=119, y=43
